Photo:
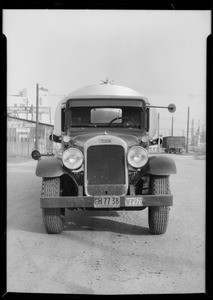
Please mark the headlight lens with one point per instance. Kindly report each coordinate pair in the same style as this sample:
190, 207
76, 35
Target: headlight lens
72, 158
137, 157
145, 138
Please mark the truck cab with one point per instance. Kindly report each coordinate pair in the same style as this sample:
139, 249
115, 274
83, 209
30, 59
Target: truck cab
103, 163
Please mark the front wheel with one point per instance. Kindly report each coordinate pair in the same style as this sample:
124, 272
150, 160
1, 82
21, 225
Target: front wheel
159, 215
53, 217
53, 220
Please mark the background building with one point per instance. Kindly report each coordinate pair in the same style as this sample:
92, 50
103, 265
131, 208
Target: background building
23, 106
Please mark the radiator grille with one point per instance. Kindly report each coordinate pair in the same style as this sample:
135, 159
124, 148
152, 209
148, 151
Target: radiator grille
105, 165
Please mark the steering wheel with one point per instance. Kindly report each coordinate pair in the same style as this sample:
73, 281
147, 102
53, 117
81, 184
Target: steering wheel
124, 118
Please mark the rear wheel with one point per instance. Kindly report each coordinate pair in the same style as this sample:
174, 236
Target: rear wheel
53, 217
159, 215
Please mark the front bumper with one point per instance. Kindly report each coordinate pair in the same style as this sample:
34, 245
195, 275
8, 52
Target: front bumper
129, 202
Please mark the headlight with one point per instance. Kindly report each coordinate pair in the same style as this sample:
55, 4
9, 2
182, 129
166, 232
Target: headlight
72, 158
145, 138
137, 157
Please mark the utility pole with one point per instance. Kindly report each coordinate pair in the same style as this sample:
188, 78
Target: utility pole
50, 115
192, 133
36, 133
198, 134
158, 124
203, 135
27, 107
187, 133
172, 126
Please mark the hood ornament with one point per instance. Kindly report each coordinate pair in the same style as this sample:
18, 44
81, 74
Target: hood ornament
105, 133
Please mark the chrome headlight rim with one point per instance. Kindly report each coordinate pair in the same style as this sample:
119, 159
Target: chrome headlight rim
72, 158
137, 157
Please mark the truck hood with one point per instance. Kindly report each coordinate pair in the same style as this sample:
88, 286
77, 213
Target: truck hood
130, 140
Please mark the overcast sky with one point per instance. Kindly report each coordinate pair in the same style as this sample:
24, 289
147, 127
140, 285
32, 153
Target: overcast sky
161, 54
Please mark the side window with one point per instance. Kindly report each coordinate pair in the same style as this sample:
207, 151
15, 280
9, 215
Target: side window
147, 119
63, 119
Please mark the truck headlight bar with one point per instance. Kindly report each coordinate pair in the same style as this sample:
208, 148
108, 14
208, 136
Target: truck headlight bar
72, 158
137, 157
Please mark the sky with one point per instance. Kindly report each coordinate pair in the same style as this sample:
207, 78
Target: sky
161, 54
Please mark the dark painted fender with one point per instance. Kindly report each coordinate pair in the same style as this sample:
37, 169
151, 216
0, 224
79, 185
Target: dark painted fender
50, 167
161, 165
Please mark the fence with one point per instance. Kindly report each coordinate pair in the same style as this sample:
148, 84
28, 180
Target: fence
20, 148
21, 137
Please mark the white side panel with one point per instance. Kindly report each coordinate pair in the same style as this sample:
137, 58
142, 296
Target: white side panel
153, 123
57, 118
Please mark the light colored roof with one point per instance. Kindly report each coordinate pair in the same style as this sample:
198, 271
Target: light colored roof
104, 91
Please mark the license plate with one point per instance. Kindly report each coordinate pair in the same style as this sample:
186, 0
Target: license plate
130, 201
106, 201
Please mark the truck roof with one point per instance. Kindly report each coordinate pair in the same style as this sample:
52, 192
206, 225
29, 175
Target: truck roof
105, 91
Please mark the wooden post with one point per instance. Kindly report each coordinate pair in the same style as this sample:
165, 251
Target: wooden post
187, 133
37, 98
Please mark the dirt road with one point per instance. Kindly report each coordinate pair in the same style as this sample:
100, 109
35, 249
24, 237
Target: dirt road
106, 252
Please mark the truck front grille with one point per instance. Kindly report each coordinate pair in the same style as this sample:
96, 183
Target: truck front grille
105, 165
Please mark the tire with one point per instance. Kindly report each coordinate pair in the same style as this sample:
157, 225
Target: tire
158, 216
53, 218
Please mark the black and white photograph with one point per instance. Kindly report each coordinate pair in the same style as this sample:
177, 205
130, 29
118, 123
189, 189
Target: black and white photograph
106, 151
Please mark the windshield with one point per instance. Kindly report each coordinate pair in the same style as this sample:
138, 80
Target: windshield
106, 116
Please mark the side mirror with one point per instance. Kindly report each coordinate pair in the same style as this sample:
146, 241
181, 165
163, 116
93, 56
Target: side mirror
171, 108
35, 154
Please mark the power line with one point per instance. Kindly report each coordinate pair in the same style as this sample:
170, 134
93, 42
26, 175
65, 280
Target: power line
28, 77
20, 72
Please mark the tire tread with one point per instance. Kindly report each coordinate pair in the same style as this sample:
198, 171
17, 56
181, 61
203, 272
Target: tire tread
159, 215
52, 217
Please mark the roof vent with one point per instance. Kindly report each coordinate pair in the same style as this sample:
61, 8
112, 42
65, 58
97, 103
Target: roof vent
107, 81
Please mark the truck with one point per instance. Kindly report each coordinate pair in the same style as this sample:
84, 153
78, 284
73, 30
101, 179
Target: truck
102, 162
174, 144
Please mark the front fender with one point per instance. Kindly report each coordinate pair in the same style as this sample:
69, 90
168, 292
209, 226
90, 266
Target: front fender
161, 165
49, 167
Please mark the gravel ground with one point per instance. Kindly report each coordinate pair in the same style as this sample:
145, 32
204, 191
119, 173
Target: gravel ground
106, 252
